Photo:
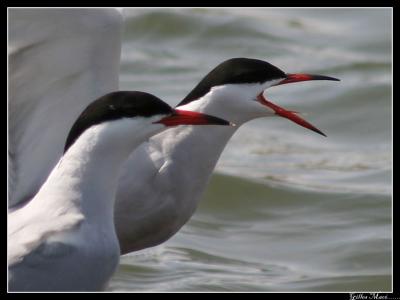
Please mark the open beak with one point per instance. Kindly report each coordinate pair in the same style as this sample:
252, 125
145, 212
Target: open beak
292, 115
184, 117
290, 78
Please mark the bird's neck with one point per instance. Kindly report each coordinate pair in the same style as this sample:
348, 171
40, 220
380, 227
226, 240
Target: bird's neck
194, 151
202, 145
85, 179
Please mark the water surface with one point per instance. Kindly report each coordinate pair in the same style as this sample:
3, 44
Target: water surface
287, 210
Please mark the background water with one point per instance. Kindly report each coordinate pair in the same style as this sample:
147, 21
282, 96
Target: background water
287, 210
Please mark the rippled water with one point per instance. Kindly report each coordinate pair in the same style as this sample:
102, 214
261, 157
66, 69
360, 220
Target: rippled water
287, 210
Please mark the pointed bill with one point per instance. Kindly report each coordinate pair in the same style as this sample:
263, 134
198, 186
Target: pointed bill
184, 117
291, 78
291, 115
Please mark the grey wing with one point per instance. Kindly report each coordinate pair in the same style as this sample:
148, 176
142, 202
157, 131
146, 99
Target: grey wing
60, 60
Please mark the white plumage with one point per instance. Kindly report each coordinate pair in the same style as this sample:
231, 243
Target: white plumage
58, 64
167, 176
64, 238
60, 60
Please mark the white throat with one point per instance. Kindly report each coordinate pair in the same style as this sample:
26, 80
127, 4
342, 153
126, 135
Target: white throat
233, 102
85, 179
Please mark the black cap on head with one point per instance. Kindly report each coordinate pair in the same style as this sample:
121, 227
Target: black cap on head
116, 105
235, 70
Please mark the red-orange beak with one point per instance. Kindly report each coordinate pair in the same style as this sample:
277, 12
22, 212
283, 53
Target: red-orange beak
183, 117
290, 78
291, 115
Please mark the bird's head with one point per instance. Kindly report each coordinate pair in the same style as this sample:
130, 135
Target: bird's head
134, 113
235, 90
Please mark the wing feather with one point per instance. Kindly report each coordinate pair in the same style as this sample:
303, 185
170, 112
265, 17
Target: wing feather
60, 60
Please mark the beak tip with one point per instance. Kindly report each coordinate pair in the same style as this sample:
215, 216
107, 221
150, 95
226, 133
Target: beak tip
291, 78
322, 77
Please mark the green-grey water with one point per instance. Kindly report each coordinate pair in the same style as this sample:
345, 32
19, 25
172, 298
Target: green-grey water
286, 210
